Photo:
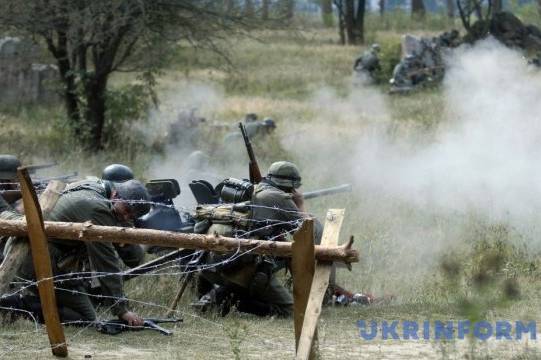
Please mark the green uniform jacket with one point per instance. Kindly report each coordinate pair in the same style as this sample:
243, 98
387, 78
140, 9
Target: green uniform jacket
87, 201
274, 212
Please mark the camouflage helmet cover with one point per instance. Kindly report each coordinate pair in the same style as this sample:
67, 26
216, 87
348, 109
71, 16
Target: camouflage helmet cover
285, 174
117, 173
8, 167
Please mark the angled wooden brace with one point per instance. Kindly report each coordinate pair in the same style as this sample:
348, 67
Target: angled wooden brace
42, 265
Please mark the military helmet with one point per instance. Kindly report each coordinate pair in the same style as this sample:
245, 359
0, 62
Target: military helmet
268, 122
8, 167
284, 174
376, 47
117, 173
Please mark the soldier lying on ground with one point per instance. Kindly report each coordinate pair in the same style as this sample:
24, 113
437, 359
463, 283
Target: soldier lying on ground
249, 282
102, 203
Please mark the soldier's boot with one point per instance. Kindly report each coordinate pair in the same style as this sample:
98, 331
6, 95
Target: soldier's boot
18, 306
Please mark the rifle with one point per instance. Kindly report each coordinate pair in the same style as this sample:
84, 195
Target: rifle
255, 173
328, 191
115, 327
12, 195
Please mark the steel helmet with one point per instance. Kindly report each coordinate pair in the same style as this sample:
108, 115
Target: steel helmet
284, 174
8, 167
270, 123
117, 173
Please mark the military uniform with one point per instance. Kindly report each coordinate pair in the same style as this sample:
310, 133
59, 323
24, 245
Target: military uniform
83, 201
273, 215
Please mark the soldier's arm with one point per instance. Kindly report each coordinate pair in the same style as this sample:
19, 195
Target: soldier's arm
294, 212
104, 259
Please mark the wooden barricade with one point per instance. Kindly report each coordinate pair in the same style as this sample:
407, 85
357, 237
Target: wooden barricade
311, 264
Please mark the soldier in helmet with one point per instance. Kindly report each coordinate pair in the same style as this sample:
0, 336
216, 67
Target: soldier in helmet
8, 181
277, 209
102, 203
368, 62
117, 173
253, 128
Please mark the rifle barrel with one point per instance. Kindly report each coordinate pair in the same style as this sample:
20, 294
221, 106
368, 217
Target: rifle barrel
328, 191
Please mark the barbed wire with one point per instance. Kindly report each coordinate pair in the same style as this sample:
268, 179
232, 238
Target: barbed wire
116, 300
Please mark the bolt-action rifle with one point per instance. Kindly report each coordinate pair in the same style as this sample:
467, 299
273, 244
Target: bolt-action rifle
11, 195
255, 173
114, 327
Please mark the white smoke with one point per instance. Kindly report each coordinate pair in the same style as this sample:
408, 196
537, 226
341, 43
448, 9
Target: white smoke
485, 156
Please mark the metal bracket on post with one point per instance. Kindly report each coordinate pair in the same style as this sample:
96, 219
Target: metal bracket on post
42, 264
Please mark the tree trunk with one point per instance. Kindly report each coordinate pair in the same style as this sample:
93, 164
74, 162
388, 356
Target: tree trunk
265, 4
382, 7
326, 12
229, 6
249, 10
451, 8
95, 112
418, 8
94, 233
497, 6
349, 21
290, 9
539, 7
359, 21
342, 29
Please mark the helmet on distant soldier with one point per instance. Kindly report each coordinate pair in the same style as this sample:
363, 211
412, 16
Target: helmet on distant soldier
117, 173
375, 47
8, 167
269, 123
285, 175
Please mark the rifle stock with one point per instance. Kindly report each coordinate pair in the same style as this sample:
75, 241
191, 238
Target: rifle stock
255, 173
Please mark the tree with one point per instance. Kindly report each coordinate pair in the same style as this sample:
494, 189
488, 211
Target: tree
351, 20
382, 7
91, 39
451, 8
326, 12
480, 10
249, 10
418, 8
265, 5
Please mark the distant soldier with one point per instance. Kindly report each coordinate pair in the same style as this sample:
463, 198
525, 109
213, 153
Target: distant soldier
368, 62
185, 130
102, 203
253, 129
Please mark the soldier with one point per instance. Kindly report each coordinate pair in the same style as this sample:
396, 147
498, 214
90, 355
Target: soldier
277, 208
253, 129
102, 203
8, 181
368, 62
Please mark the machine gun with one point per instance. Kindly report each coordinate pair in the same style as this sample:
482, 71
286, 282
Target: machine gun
115, 327
329, 191
255, 173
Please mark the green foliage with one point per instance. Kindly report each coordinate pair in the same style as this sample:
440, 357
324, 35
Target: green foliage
236, 333
389, 57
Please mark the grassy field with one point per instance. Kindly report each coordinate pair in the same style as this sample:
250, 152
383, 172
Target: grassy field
436, 265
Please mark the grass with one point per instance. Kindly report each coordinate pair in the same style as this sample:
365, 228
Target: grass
303, 80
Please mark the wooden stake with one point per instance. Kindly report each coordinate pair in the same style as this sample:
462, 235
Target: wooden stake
42, 265
19, 247
307, 346
302, 268
185, 281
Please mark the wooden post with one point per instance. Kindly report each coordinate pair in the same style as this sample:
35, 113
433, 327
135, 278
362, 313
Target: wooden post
302, 268
19, 249
42, 265
307, 344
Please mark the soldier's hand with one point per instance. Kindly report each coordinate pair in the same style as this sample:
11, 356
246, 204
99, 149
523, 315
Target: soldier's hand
132, 319
298, 199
